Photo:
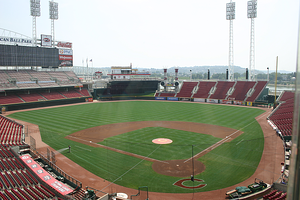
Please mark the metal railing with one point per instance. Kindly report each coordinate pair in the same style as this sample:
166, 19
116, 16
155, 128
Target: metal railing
60, 171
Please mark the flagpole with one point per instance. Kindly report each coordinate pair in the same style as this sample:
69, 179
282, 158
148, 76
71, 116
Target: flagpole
82, 69
87, 68
92, 67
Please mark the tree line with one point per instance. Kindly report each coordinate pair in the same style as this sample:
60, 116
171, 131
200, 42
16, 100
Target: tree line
282, 78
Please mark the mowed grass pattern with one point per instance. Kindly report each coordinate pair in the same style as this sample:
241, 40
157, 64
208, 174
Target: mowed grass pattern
226, 165
140, 142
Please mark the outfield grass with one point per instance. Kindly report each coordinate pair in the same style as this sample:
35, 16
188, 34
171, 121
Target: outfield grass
226, 165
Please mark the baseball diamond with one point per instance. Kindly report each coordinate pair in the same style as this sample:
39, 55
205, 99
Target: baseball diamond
115, 153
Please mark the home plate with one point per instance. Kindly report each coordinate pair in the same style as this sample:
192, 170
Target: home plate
162, 141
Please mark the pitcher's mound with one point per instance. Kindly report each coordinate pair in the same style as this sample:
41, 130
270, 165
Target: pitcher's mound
162, 141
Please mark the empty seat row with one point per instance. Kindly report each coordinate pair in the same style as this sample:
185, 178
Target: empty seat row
11, 132
282, 116
38, 96
231, 90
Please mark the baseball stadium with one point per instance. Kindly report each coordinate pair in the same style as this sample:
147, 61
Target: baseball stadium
124, 135
201, 140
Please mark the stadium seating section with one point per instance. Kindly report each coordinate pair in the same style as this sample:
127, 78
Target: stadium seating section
204, 88
282, 116
276, 195
38, 95
16, 180
11, 132
187, 89
31, 86
223, 90
21, 79
166, 94
241, 89
260, 85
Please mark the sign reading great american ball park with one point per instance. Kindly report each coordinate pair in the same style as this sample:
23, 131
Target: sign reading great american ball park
13, 40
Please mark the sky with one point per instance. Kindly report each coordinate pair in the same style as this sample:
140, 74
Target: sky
164, 33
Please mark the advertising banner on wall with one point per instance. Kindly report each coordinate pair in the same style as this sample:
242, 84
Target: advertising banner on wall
226, 101
65, 57
46, 40
172, 98
248, 103
64, 45
45, 176
65, 52
199, 100
212, 101
160, 98
237, 102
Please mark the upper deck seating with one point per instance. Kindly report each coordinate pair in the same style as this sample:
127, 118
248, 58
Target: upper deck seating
23, 78
204, 89
257, 90
64, 78
222, 89
186, 89
240, 90
44, 79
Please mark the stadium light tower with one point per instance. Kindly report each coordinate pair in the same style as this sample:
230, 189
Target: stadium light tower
53, 15
230, 15
252, 14
35, 11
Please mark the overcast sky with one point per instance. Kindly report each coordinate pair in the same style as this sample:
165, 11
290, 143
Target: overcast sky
164, 33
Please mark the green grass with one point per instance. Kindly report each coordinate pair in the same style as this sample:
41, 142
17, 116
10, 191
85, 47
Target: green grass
140, 142
226, 165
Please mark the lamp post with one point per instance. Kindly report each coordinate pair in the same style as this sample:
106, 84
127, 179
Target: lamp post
252, 14
35, 11
230, 15
53, 15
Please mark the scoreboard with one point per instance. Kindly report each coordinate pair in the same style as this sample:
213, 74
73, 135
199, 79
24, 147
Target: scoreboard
15, 55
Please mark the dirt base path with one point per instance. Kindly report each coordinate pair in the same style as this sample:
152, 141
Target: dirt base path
268, 169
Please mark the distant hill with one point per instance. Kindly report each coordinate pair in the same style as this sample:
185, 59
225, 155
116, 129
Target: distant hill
201, 69
186, 70
213, 70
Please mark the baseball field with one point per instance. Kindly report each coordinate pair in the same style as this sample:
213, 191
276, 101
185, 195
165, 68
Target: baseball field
221, 145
